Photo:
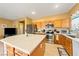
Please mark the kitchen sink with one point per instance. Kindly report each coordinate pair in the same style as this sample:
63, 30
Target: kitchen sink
73, 36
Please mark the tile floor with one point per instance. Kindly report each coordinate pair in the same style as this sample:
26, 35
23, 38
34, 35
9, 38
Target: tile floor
51, 49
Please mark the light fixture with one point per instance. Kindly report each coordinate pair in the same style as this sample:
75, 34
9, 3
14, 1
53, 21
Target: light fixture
33, 12
56, 6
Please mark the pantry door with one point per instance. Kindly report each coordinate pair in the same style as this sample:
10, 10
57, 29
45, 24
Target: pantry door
21, 27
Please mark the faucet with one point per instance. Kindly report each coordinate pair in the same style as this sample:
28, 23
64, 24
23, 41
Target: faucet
26, 33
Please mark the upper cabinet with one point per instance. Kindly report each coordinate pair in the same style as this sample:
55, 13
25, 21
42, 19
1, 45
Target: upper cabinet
66, 23
40, 24
62, 23
57, 23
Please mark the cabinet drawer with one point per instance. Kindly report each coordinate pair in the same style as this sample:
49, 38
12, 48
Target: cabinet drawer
10, 54
10, 51
17, 54
9, 48
20, 53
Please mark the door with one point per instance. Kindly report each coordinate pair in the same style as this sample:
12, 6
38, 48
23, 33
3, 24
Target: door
21, 27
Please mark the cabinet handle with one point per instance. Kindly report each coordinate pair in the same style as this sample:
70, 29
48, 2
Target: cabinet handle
57, 37
41, 45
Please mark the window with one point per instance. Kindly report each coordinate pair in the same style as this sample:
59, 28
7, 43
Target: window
75, 21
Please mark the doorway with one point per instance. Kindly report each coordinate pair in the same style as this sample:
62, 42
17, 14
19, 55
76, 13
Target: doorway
21, 27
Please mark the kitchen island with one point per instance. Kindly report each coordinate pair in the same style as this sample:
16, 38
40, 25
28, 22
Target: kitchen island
23, 45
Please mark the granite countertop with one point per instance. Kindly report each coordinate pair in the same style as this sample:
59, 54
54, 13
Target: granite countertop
27, 44
75, 39
67, 35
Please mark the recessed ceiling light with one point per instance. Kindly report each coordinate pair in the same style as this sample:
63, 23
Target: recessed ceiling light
33, 12
56, 6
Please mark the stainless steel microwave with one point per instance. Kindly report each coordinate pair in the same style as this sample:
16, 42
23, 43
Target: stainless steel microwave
64, 31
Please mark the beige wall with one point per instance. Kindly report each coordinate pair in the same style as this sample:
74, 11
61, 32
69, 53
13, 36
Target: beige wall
7, 22
74, 9
27, 20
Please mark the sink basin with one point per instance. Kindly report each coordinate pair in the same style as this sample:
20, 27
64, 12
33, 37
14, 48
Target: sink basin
73, 36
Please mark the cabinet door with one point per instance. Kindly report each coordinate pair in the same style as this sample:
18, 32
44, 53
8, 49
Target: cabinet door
20, 53
56, 38
66, 23
39, 24
57, 23
60, 40
39, 50
10, 50
68, 46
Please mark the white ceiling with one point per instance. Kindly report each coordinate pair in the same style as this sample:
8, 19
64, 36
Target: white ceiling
19, 10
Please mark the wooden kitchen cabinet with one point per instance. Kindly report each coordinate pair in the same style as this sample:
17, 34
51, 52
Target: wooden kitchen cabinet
68, 46
10, 50
57, 23
40, 24
20, 53
65, 42
56, 39
14, 52
66, 23
60, 40
39, 50
62, 23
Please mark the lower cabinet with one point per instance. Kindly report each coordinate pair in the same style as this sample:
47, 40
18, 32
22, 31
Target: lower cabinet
20, 53
65, 42
68, 46
39, 50
10, 50
59, 39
